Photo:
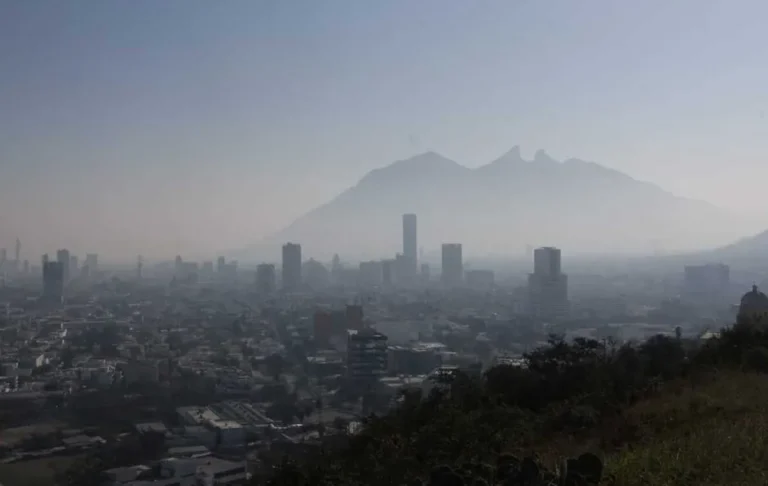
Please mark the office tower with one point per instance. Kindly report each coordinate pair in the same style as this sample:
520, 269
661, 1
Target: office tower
53, 280
547, 285
410, 244
366, 355
62, 256
291, 266
706, 284
370, 274
453, 265
18, 251
221, 264
3, 256
546, 261
265, 278
92, 261
44, 259
26, 267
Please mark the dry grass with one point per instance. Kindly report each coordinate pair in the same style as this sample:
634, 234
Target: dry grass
713, 435
15, 435
39, 472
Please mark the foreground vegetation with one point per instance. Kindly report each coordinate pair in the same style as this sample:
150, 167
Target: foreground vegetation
664, 412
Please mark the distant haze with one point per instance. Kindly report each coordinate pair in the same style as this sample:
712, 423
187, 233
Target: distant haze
195, 127
500, 208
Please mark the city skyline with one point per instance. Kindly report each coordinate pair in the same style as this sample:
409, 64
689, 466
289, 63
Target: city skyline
110, 106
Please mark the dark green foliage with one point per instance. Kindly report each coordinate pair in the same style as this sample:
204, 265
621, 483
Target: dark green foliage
568, 387
590, 467
756, 359
445, 476
586, 470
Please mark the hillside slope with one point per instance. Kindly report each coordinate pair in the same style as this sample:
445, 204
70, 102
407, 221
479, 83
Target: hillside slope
664, 412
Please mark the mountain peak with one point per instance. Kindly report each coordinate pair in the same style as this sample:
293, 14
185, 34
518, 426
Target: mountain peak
426, 161
427, 164
512, 156
542, 157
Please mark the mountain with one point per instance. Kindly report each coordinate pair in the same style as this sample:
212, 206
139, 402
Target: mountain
753, 248
503, 206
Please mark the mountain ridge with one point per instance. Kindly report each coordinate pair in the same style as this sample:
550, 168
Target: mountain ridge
571, 203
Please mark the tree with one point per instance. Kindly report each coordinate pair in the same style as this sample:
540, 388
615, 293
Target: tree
275, 364
283, 411
756, 359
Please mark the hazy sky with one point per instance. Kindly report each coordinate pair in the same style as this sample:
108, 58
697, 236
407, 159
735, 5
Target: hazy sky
159, 127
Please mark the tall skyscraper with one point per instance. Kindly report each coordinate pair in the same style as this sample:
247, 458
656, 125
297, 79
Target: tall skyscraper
547, 285
62, 256
18, 250
291, 266
410, 244
546, 261
453, 264
53, 280
265, 278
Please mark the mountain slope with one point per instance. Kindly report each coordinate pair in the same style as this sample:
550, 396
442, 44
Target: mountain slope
751, 248
505, 205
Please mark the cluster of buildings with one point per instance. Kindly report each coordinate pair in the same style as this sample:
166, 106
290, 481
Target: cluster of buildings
271, 360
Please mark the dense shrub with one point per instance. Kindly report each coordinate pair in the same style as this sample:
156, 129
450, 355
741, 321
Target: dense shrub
567, 388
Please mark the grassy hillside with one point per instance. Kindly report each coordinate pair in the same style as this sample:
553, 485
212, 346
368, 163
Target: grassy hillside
661, 413
716, 434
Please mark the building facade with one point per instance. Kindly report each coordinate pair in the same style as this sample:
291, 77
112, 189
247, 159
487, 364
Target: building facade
547, 285
291, 268
266, 279
366, 354
410, 245
53, 280
453, 264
